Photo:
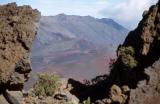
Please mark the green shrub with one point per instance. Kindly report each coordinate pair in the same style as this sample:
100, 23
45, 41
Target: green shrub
88, 101
126, 55
126, 50
129, 61
46, 85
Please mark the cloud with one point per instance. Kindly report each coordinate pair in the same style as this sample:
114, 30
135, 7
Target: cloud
128, 12
71, 7
125, 12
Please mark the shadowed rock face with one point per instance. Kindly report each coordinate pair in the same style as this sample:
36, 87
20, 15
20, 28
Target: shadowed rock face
145, 39
18, 26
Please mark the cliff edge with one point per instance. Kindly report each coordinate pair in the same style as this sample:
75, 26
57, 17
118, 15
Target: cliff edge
137, 68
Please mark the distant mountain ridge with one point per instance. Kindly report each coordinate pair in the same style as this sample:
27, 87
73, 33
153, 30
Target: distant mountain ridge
99, 31
67, 40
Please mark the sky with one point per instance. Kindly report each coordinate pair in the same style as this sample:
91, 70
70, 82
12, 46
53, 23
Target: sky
126, 12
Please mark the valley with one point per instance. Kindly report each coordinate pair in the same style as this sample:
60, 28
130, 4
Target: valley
77, 47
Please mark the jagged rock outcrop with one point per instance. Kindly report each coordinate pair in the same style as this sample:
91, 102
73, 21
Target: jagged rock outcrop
18, 26
137, 65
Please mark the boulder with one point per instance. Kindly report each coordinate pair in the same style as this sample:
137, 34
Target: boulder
14, 97
116, 95
66, 97
3, 100
18, 27
125, 89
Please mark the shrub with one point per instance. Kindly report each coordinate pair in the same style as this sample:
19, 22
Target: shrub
126, 55
46, 85
129, 61
126, 50
88, 101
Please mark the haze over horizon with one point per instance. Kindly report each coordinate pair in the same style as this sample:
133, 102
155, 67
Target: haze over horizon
122, 11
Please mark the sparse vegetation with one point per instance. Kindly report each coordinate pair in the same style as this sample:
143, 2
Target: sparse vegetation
88, 101
126, 55
47, 84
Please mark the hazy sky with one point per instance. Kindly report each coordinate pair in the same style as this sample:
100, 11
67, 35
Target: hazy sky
125, 12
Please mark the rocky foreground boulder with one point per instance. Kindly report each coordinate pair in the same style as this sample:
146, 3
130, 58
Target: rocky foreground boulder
18, 27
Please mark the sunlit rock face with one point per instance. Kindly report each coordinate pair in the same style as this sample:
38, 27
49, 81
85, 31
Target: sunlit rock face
18, 26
